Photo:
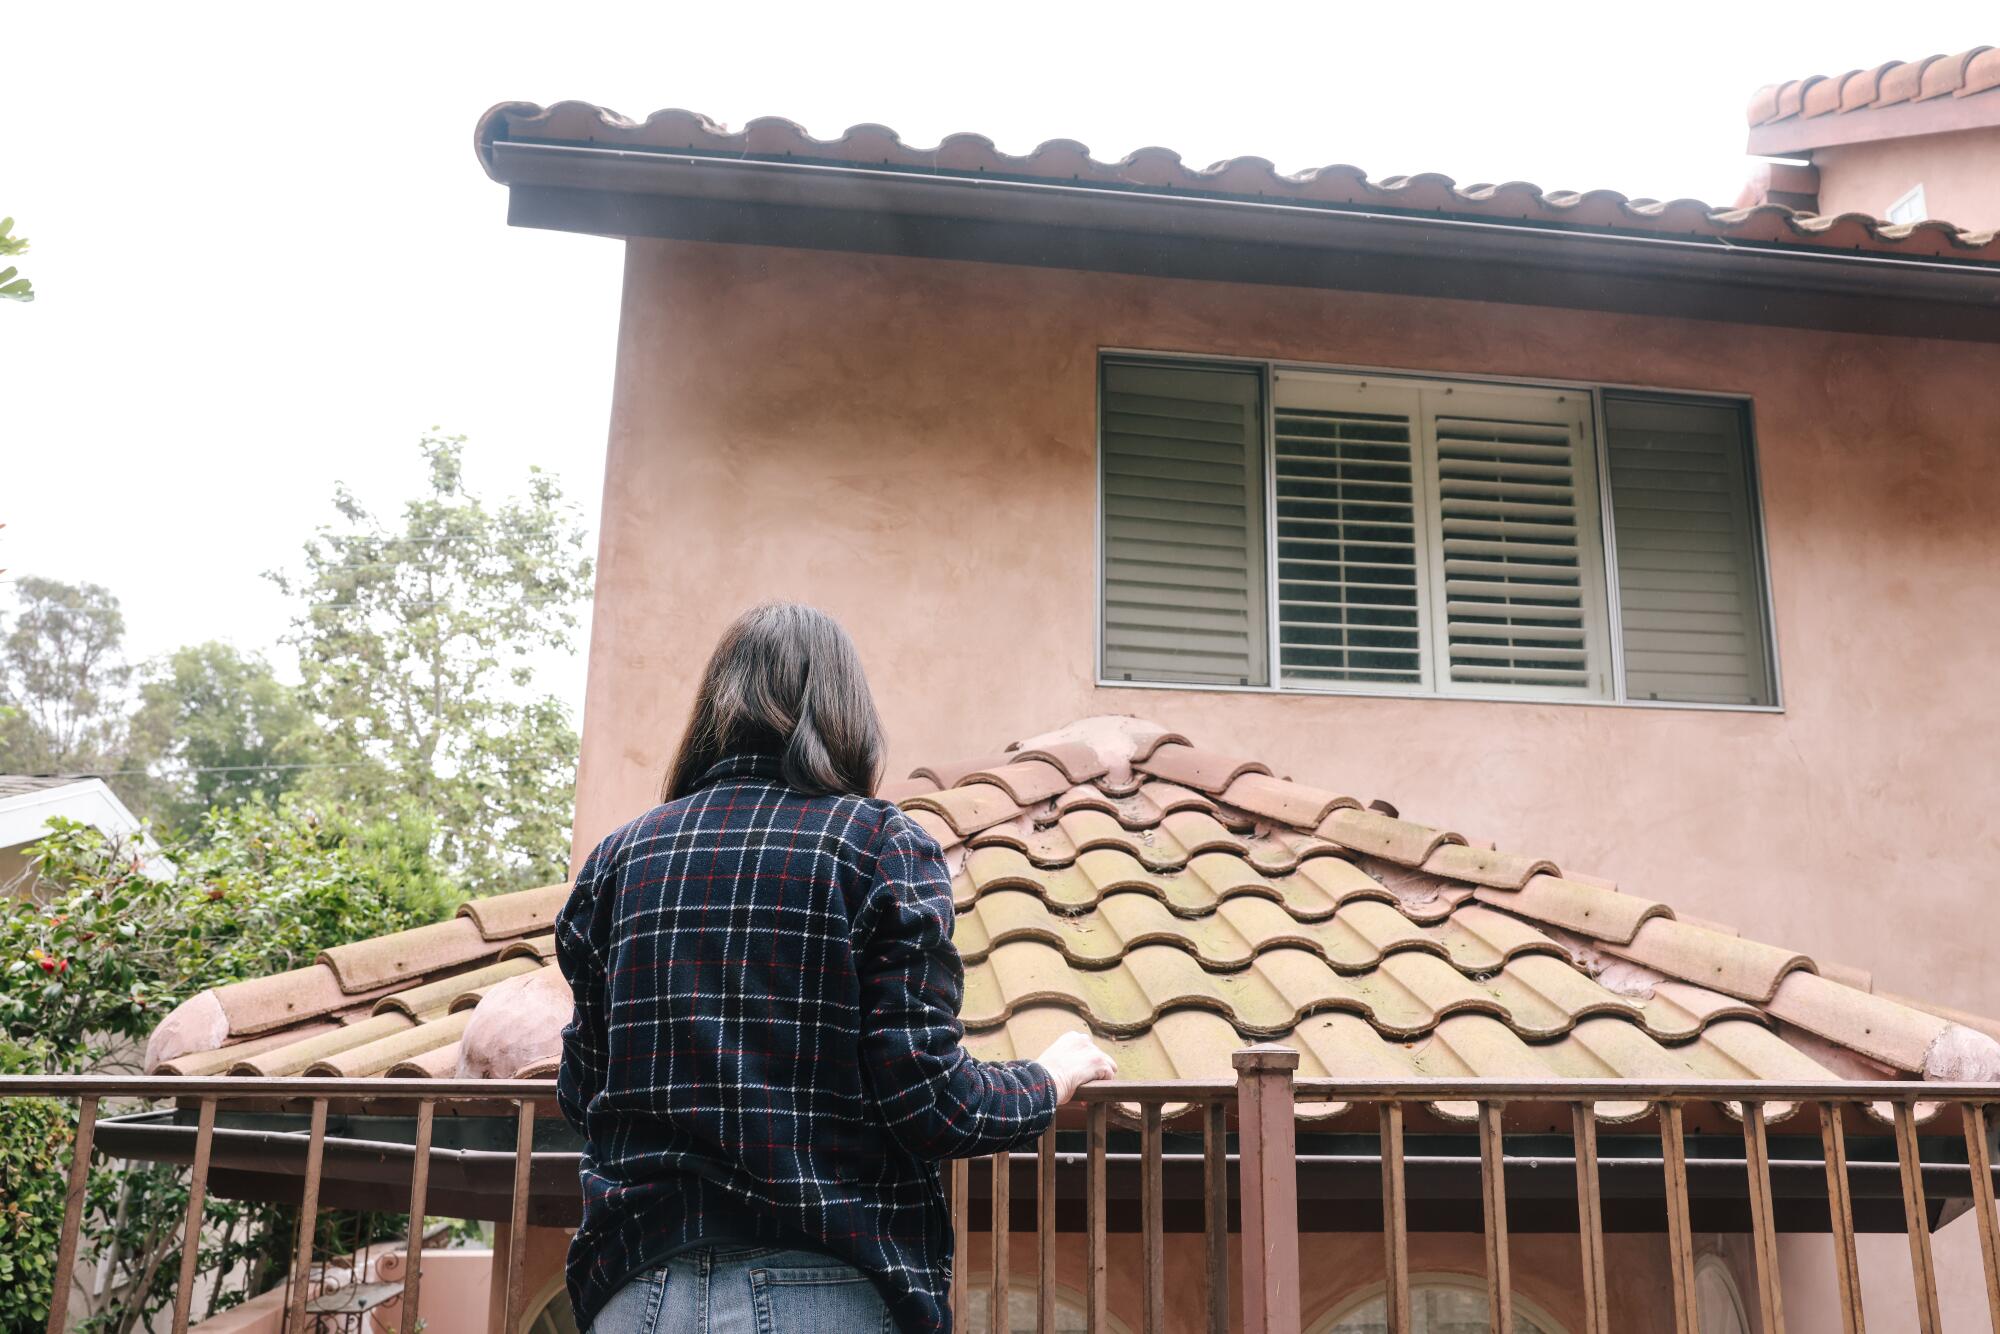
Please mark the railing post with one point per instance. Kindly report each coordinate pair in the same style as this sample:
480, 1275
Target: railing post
79, 1183
1267, 1150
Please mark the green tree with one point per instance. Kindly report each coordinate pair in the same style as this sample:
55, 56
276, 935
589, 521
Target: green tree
215, 727
13, 288
416, 643
62, 678
92, 962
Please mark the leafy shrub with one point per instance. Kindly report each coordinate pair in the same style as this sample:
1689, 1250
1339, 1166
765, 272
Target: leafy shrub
112, 937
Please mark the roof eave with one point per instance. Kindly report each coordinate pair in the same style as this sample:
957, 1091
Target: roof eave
1873, 124
626, 192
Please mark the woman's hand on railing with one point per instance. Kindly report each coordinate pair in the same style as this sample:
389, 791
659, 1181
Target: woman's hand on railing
1073, 1060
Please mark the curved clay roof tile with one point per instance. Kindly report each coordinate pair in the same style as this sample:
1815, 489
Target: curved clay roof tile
1946, 74
1862, 87
1903, 83
1981, 72
1823, 97
1764, 104
1793, 95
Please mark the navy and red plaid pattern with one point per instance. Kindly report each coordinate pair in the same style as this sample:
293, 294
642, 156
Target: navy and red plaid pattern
766, 1040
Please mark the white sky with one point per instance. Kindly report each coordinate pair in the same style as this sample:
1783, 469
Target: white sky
267, 259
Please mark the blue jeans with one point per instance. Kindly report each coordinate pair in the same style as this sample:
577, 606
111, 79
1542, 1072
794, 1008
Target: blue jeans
746, 1290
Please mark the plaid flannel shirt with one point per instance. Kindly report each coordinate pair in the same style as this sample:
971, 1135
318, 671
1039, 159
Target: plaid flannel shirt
765, 1047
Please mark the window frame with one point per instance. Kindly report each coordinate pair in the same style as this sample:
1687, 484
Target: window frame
1913, 195
1607, 545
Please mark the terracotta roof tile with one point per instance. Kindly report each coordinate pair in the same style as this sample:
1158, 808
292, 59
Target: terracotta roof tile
1283, 800
374, 1058
1961, 74
1729, 964
436, 997
953, 773
1078, 762
368, 965
505, 916
898, 789
264, 1003
437, 1063
936, 826
1095, 897
1601, 914
1026, 781
1334, 187
1982, 72
1384, 836
294, 1057
967, 809
1485, 866
1204, 770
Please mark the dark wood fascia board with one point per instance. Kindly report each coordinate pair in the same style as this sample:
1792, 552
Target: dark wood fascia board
735, 201
1900, 120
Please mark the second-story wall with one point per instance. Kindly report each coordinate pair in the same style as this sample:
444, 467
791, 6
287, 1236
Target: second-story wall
1959, 172
912, 445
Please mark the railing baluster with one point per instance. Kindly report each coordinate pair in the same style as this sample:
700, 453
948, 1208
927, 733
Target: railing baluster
1493, 1180
1045, 1235
420, 1181
308, 1218
996, 1296
961, 1238
1979, 1155
514, 1295
1215, 1211
1153, 1238
1395, 1223
1267, 1162
1916, 1219
1097, 1300
1590, 1220
1840, 1217
1680, 1233
204, 1145
79, 1182
1763, 1224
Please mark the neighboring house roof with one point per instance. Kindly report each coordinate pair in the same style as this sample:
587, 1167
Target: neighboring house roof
29, 801
1894, 100
1184, 902
1064, 162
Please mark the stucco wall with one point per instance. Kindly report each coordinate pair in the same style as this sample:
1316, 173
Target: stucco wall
1960, 174
911, 444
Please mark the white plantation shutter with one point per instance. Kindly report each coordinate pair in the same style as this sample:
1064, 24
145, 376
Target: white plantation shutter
1183, 498
1518, 566
1690, 585
1350, 547
1427, 536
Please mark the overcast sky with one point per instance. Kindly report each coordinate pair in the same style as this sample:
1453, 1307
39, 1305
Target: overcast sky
268, 260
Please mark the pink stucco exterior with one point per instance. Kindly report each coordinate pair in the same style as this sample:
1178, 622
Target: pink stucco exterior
912, 445
1961, 177
1960, 173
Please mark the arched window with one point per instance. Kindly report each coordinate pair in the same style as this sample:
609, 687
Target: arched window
552, 1313
1071, 1317
1716, 1298
1439, 1304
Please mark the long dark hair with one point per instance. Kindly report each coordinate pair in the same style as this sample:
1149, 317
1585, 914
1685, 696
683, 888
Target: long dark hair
784, 681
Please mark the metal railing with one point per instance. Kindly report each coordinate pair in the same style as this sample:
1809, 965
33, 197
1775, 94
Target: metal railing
1264, 1097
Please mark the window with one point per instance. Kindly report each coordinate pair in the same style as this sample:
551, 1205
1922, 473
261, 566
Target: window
1439, 1304
1717, 1302
1911, 207
1298, 529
